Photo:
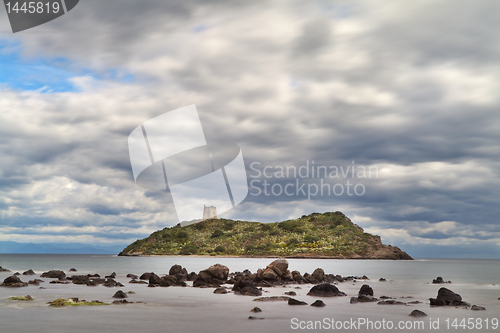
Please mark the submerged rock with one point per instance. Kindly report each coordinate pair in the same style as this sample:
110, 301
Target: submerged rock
120, 294
318, 303
325, 290
256, 309
418, 313
293, 301
54, 275
447, 297
29, 272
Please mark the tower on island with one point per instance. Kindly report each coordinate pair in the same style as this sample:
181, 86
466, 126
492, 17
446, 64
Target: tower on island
209, 212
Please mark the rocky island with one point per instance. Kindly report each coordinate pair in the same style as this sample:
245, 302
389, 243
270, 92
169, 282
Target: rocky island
326, 235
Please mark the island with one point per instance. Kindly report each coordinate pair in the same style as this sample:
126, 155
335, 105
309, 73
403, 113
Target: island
318, 235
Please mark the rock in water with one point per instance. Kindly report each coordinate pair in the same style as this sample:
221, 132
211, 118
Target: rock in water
318, 303
447, 297
220, 290
365, 290
256, 309
29, 272
255, 318
120, 294
54, 275
325, 290
477, 308
293, 301
418, 313
4, 269
279, 266
13, 281
319, 274
291, 293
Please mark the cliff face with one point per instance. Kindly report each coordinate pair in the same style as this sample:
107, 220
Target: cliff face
328, 235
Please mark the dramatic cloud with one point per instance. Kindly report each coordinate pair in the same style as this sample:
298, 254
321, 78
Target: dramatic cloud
407, 89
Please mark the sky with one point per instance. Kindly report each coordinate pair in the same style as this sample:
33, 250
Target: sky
406, 89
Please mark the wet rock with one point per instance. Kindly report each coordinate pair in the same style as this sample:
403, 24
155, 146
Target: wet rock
111, 276
220, 290
325, 290
255, 318
386, 297
365, 290
318, 303
269, 274
417, 313
54, 275
218, 271
440, 280
72, 269
112, 283
93, 275
29, 272
120, 294
447, 297
298, 277
132, 276
256, 309
291, 293
293, 301
382, 279
138, 282
279, 266
477, 308
246, 287
13, 281
4, 269
80, 279
59, 282
391, 302
414, 302
354, 300
272, 299
145, 276
366, 298
154, 279
192, 276
35, 282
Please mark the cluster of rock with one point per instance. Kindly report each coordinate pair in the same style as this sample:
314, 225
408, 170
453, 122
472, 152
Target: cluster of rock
439, 280
446, 297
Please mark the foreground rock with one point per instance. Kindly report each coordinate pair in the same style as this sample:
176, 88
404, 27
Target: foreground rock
447, 297
325, 290
13, 281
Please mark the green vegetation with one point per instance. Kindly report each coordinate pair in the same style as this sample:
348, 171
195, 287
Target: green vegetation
21, 298
60, 302
328, 234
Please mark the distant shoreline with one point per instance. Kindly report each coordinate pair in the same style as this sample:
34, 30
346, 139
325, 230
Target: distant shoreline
261, 257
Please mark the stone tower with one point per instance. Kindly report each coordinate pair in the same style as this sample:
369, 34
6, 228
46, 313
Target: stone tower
209, 212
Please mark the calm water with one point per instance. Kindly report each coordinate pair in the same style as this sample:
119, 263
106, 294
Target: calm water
189, 309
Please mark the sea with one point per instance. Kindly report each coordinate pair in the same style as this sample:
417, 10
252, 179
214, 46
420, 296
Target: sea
188, 309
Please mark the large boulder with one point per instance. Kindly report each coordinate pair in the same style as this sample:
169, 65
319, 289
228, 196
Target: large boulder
218, 271
279, 266
175, 269
325, 290
145, 276
80, 279
13, 281
120, 294
29, 272
54, 275
154, 279
447, 297
270, 275
296, 276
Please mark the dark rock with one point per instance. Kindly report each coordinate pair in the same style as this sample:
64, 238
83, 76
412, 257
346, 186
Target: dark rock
175, 269
250, 291
35, 282
293, 301
272, 299
153, 279
192, 276
93, 275
391, 302
418, 313
414, 302
146, 276
220, 290
80, 279
218, 271
318, 274
122, 301
4, 269
13, 281
120, 294
291, 293
256, 309
111, 276
29, 272
59, 282
298, 277
54, 275
386, 297
447, 297
138, 282
112, 283
310, 279
365, 290
354, 300
382, 279
440, 280
72, 269
17, 273
477, 308
325, 290
255, 318
318, 303
364, 277
270, 275
366, 298
172, 280
132, 276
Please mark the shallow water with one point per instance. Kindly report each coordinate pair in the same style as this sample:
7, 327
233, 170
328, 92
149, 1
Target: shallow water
177, 309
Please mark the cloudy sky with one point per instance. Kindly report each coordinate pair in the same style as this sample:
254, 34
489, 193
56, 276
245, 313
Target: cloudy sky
408, 88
